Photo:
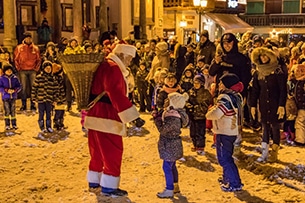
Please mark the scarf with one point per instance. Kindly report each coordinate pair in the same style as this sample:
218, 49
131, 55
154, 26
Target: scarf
266, 69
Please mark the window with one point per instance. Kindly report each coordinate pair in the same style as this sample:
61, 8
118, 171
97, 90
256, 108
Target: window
27, 14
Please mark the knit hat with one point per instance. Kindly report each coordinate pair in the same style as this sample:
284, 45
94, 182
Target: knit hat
200, 78
192, 45
27, 34
62, 39
45, 64
7, 66
201, 59
257, 38
177, 100
125, 49
230, 81
49, 44
205, 33
162, 46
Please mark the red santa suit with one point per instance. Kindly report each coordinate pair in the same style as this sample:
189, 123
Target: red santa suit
107, 118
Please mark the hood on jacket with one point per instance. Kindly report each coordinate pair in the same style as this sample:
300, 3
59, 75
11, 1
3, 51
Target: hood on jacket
257, 52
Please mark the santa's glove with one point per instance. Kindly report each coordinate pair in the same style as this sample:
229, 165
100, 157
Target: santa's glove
253, 112
281, 112
139, 122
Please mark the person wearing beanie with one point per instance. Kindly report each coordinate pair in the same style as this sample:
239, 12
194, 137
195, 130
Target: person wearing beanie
45, 93
190, 54
50, 54
269, 92
200, 64
10, 86
44, 32
205, 47
62, 44
107, 118
197, 106
226, 115
59, 108
170, 85
27, 60
142, 86
186, 81
73, 47
169, 124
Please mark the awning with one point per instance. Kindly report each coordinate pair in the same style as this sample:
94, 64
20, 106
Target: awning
230, 22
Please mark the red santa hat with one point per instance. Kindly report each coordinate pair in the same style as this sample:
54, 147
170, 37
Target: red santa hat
125, 49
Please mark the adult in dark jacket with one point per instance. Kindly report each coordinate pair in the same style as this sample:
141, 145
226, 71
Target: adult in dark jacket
205, 47
231, 61
269, 88
179, 61
190, 54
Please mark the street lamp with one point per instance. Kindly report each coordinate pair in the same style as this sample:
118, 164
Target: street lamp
200, 6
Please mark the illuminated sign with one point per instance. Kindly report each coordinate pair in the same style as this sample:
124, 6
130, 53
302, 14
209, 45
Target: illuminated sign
232, 3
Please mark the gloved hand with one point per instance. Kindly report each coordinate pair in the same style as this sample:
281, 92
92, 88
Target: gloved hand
139, 122
281, 112
253, 112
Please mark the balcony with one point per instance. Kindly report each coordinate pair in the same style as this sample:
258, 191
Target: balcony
275, 20
177, 3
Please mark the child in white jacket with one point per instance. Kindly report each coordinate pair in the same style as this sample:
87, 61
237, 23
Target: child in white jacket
226, 116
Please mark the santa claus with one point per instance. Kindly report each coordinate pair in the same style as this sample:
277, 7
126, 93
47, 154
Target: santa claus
107, 118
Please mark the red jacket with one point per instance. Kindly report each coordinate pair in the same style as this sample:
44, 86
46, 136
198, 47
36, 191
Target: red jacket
27, 57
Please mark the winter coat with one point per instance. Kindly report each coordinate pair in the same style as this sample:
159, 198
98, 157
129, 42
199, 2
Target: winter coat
300, 94
198, 103
27, 57
44, 88
61, 99
226, 114
179, 62
186, 83
162, 60
141, 83
233, 62
44, 32
9, 82
271, 91
189, 58
207, 50
170, 143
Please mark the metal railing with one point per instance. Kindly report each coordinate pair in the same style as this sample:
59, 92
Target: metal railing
275, 20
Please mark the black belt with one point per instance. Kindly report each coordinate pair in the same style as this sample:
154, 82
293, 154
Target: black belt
104, 98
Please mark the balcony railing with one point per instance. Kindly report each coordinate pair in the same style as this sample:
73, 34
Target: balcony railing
177, 3
275, 20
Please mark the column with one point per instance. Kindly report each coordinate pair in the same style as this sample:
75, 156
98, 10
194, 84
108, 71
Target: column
9, 40
143, 34
103, 23
57, 21
77, 21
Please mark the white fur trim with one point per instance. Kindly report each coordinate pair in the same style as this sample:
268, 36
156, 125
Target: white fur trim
110, 181
105, 125
129, 114
94, 177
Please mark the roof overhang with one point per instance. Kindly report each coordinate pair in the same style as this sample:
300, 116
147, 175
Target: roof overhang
230, 22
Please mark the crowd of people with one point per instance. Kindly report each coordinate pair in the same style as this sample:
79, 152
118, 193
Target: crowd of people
212, 87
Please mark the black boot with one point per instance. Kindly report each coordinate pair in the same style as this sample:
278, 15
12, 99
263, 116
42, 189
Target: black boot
61, 124
23, 107
14, 124
48, 126
41, 125
7, 124
56, 124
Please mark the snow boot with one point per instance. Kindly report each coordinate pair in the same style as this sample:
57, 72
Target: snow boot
265, 151
274, 153
56, 124
14, 123
7, 123
176, 188
166, 194
41, 125
48, 126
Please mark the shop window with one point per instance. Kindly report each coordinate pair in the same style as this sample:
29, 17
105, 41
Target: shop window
291, 6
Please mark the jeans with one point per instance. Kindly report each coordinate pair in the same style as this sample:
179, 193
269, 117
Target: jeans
271, 130
27, 78
224, 149
171, 174
44, 108
9, 106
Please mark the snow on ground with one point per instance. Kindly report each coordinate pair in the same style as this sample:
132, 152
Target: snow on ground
32, 170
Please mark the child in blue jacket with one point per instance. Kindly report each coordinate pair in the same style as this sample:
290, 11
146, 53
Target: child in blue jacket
9, 88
